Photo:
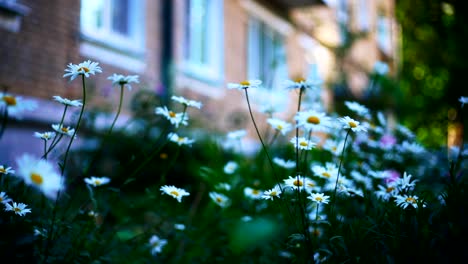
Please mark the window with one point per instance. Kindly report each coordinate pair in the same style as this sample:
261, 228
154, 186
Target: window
383, 34
266, 54
203, 50
343, 19
118, 24
363, 14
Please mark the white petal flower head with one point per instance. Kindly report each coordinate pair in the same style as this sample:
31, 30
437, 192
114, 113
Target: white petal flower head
220, 199
280, 125
4, 199
319, 198
349, 123
406, 183
287, 164
302, 143
252, 193
186, 102
310, 185
67, 102
96, 181
463, 100
180, 140
45, 136
357, 108
335, 147
40, 174
175, 118
237, 134
16, 105
271, 194
230, 167
68, 131
180, 227
18, 208
301, 83
295, 182
175, 192
156, 244
121, 80
313, 120
85, 68
6, 170
385, 193
245, 84
407, 200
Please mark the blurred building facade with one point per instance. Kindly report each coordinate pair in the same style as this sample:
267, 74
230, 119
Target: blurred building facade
185, 47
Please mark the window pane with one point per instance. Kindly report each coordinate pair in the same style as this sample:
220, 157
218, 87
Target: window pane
92, 13
120, 16
198, 31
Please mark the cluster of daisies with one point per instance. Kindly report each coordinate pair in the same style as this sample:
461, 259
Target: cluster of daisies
20, 209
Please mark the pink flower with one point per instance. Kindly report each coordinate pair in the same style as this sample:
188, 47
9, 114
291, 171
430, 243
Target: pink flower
393, 176
387, 141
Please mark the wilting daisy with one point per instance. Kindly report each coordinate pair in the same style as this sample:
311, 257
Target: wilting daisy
96, 181
220, 199
4, 198
313, 120
405, 200
16, 105
156, 244
119, 79
180, 140
68, 102
302, 143
245, 84
186, 102
287, 164
18, 208
301, 83
175, 118
45, 136
6, 170
68, 131
463, 100
252, 193
349, 123
319, 198
272, 193
175, 192
279, 125
358, 109
230, 167
40, 174
85, 68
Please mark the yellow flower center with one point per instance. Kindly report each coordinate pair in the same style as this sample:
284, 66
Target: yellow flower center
9, 100
219, 199
273, 193
97, 182
410, 200
313, 120
2, 170
279, 127
172, 114
1, 199
318, 199
299, 79
334, 148
352, 124
316, 233
36, 178
245, 83
85, 69
163, 156
17, 209
311, 184
297, 183
326, 175
64, 129
174, 193
256, 192
390, 189
303, 143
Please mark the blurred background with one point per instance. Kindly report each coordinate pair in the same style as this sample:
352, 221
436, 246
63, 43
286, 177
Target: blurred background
403, 58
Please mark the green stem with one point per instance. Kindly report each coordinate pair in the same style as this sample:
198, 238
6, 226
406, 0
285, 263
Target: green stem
4, 121
163, 176
118, 110
339, 170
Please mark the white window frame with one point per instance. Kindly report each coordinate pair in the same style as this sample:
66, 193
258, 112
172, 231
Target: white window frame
211, 70
105, 35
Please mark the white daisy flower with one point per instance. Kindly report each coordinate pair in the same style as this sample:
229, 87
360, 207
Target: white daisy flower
45, 136
67, 102
220, 199
245, 84
387, 192
413, 148
6, 170
405, 131
40, 174
280, 125
223, 186
349, 123
287, 164
186, 102
230, 167
302, 143
333, 146
4, 199
237, 134
175, 118
301, 83
252, 193
310, 185
16, 105
319, 198
406, 183
18, 208
330, 171
272, 193
175, 192
463, 100
313, 120
406, 200
180, 140
156, 244
85, 68
119, 79
296, 182
68, 131
96, 181
179, 226
357, 108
